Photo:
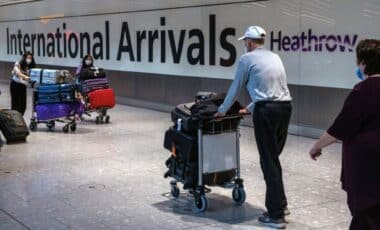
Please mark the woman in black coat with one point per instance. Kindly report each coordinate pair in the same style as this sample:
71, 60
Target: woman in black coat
19, 81
87, 62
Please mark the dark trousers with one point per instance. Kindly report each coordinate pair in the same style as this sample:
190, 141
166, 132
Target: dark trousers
271, 121
367, 220
18, 97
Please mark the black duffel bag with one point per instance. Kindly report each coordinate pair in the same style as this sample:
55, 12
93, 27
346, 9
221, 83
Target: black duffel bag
207, 104
202, 110
91, 73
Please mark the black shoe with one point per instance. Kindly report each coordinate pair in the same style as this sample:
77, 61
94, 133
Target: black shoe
273, 223
286, 212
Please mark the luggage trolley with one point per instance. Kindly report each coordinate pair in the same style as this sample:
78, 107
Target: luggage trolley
102, 115
95, 84
218, 151
69, 120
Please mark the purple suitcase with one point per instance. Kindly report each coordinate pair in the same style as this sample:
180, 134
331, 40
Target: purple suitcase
58, 110
94, 84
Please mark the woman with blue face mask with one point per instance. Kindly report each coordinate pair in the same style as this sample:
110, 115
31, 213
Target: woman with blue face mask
358, 127
359, 73
19, 81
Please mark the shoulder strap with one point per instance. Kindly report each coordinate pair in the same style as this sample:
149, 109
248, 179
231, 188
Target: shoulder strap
41, 74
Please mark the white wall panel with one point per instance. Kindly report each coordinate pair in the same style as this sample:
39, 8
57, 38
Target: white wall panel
331, 64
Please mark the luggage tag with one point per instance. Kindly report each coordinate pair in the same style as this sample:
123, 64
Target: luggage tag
179, 124
174, 150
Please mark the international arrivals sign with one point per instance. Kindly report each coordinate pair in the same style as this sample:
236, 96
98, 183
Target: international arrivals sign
194, 42
63, 44
72, 44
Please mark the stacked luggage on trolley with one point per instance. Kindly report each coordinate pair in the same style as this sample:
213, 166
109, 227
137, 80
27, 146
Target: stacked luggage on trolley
99, 97
54, 99
205, 151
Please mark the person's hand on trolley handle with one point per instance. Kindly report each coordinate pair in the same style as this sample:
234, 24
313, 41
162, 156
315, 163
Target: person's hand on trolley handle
244, 111
218, 115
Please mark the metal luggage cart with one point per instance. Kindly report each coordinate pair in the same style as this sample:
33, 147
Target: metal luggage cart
69, 121
102, 115
218, 151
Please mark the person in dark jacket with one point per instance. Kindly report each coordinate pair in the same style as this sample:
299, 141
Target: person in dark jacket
358, 127
87, 62
19, 81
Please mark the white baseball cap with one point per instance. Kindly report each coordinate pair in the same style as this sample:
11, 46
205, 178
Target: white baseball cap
254, 32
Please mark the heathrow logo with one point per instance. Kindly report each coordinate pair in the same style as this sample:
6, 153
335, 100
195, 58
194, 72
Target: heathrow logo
310, 42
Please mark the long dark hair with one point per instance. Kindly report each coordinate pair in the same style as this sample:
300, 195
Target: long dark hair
84, 66
23, 65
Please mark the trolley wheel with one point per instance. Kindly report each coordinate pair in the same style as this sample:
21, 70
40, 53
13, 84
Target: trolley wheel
201, 202
238, 194
50, 125
73, 127
104, 112
97, 120
33, 126
108, 119
65, 129
174, 191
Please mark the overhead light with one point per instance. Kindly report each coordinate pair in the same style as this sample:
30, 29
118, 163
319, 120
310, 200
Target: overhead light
45, 19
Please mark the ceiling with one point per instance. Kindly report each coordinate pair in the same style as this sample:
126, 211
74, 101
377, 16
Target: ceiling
11, 10
41, 8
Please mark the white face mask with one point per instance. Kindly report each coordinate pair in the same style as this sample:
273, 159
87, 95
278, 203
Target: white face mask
28, 61
88, 62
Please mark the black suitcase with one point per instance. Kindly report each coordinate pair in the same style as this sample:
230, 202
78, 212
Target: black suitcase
185, 146
187, 173
92, 73
13, 126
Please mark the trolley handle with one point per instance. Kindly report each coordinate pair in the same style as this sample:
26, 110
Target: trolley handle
32, 83
228, 117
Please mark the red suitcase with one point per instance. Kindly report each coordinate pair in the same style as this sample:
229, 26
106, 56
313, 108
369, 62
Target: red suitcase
102, 98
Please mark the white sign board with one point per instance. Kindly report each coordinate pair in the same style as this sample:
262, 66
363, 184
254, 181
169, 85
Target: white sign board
317, 49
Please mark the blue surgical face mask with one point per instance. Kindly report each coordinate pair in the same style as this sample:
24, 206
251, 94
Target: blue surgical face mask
359, 73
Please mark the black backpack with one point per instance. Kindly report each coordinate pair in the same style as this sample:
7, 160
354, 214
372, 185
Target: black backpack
91, 73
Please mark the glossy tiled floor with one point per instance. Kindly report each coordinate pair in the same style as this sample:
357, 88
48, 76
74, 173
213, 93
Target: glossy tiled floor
111, 177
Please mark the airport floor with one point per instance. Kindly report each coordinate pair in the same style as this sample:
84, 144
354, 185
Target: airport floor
110, 176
